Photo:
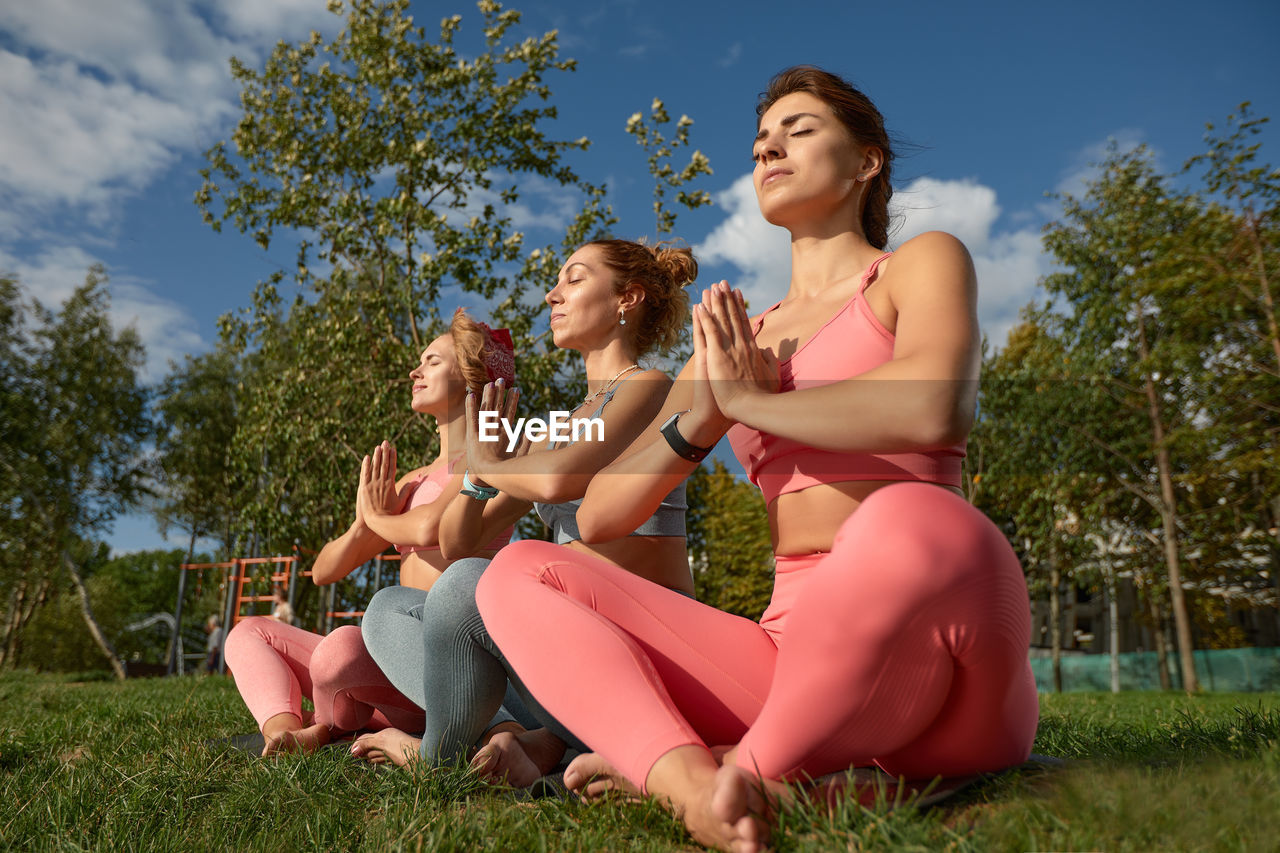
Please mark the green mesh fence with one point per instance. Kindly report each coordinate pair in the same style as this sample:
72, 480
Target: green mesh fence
1227, 670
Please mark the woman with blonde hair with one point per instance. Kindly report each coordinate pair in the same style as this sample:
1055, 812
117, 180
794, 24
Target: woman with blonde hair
276, 664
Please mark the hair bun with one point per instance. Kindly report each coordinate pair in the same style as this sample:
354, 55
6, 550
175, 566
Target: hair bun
676, 262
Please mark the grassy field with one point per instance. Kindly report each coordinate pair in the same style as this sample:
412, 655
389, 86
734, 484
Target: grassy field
97, 765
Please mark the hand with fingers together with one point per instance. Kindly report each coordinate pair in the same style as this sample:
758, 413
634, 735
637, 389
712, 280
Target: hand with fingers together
736, 368
481, 455
377, 494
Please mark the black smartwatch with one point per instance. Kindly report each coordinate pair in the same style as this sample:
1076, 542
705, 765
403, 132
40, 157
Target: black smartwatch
683, 449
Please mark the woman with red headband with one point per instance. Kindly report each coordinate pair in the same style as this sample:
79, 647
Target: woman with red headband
276, 664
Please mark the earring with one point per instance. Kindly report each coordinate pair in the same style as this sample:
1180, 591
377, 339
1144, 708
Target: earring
861, 178
622, 318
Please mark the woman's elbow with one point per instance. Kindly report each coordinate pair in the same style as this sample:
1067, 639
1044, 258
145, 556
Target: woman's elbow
560, 488
453, 550
591, 529
596, 525
944, 427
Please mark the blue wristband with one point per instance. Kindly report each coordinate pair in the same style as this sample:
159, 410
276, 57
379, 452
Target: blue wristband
471, 490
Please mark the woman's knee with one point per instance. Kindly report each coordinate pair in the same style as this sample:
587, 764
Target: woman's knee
338, 656
250, 631
519, 561
392, 601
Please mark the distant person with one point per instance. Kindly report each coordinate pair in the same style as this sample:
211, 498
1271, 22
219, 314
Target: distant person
281, 610
213, 645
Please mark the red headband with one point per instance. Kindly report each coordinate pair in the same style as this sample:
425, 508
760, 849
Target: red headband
499, 356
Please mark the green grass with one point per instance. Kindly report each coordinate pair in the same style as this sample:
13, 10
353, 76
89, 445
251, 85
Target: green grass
96, 765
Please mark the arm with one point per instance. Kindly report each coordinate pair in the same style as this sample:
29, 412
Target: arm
628, 491
340, 557
468, 525
616, 505
561, 474
921, 399
359, 544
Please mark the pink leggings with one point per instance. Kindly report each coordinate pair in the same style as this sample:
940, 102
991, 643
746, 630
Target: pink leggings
906, 647
275, 665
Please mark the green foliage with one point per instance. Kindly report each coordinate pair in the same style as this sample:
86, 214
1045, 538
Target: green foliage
71, 460
197, 421
124, 591
400, 159
650, 136
729, 542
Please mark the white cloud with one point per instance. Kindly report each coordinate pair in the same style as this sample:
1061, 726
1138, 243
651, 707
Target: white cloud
731, 56
760, 251
97, 101
1009, 263
101, 98
75, 141
1084, 169
165, 328
964, 208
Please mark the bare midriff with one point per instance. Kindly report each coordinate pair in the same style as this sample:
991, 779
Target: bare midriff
661, 559
806, 521
421, 569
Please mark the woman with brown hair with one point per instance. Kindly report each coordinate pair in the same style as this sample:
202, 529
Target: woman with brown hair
615, 301
898, 630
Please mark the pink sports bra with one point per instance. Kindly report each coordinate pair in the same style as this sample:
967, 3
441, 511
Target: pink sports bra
426, 489
851, 342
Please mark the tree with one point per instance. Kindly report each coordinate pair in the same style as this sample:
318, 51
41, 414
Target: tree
74, 461
196, 425
1137, 321
1028, 469
650, 136
401, 158
729, 545
25, 585
1245, 258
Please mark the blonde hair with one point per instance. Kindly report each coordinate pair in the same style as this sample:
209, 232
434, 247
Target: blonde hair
476, 350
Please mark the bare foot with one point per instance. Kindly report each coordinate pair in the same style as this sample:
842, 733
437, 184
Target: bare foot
303, 740
590, 776
387, 745
740, 801
723, 807
518, 759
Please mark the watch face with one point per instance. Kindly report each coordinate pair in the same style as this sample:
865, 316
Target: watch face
669, 421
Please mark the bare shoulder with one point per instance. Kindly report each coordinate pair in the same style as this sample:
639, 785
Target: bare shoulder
934, 248
645, 385
934, 262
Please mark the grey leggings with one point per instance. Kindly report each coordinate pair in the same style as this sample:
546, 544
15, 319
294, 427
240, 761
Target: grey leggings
434, 648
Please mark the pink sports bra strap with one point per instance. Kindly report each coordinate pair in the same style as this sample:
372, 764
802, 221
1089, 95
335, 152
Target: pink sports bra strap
871, 271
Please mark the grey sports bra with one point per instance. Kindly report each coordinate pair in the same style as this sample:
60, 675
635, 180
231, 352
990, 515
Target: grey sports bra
667, 519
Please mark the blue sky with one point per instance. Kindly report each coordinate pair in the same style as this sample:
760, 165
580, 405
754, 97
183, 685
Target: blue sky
106, 108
